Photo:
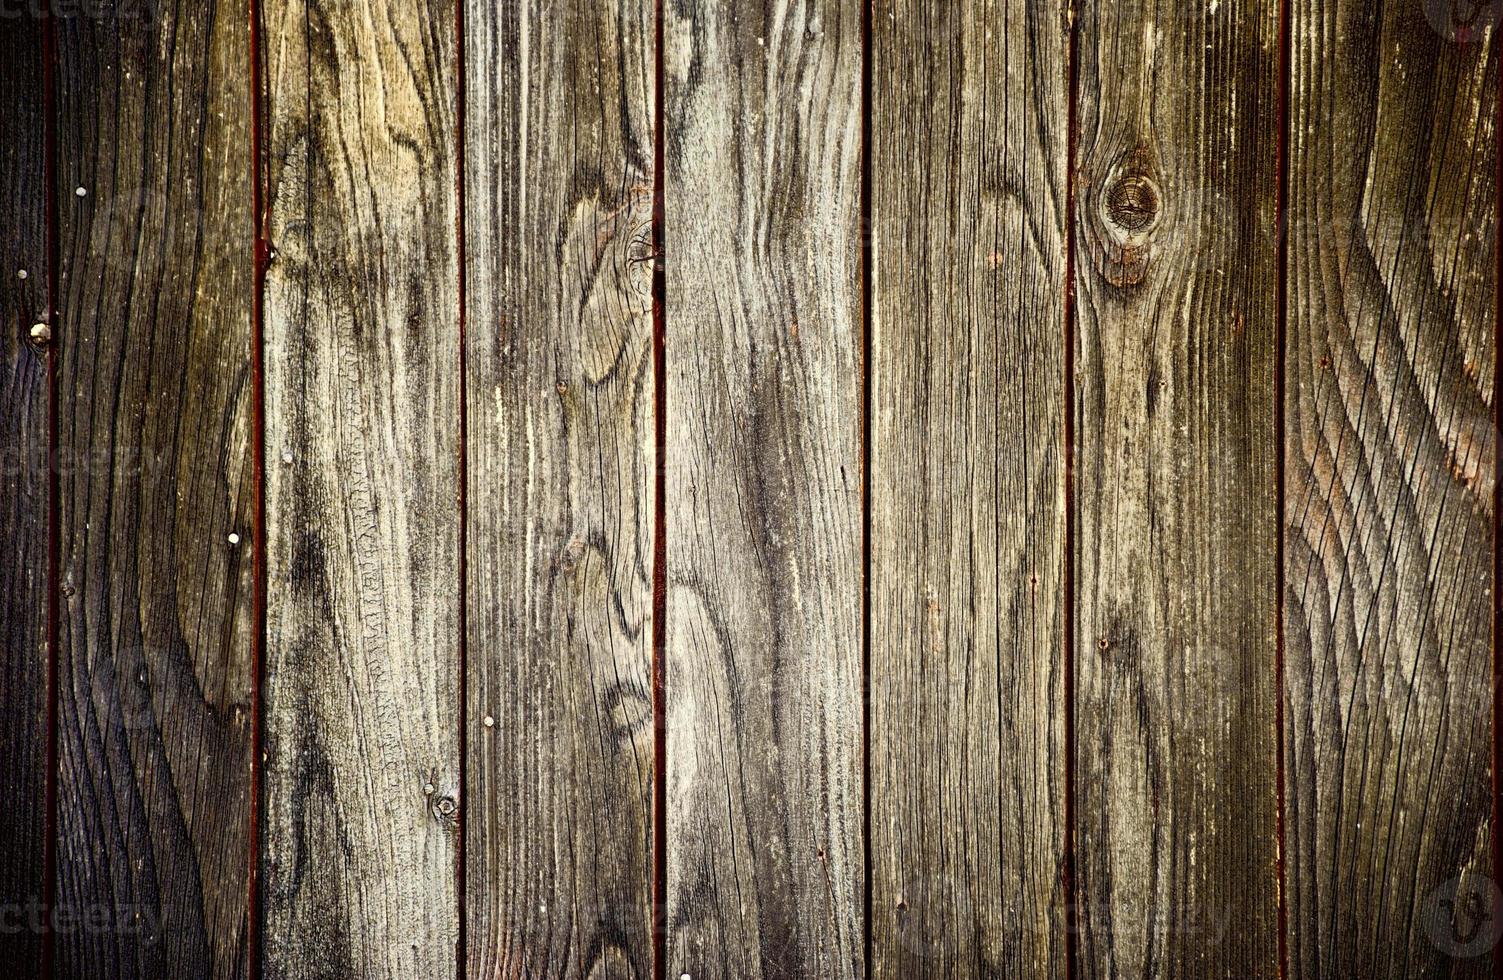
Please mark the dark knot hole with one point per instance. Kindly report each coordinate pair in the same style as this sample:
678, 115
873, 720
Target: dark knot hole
1133, 203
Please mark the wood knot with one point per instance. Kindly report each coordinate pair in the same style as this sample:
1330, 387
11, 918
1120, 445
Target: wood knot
1127, 209
1128, 213
446, 810
1132, 204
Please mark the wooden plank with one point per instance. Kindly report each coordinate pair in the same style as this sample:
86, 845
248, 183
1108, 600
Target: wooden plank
156, 481
968, 204
362, 521
560, 387
24, 498
763, 489
1390, 460
1176, 501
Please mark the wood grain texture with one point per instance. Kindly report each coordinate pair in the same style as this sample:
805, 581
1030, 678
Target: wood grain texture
154, 724
1390, 457
559, 191
763, 489
24, 497
362, 435
968, 160
1176, 671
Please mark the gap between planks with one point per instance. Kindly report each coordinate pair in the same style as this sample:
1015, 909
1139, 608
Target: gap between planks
864, 244
1281, 326
659, 668
1067, 577
1497, 419
261, 258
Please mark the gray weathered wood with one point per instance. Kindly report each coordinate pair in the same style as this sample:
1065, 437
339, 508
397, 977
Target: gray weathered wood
559, 190
362, 519
1390, 460
24, 498
1175, 494
763, 494
968, 160
156, 476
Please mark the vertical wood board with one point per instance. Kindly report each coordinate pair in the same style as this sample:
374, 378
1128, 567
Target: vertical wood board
968, 212
156, 492
559, 368
763, 489
1391, 456
1175, 490
362, 423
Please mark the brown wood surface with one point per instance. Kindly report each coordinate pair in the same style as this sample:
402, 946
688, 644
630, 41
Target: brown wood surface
763, 489
155, 475
362, 521
968, 211
969, 528
560, 389
1391, 460
1175, 491
24, 496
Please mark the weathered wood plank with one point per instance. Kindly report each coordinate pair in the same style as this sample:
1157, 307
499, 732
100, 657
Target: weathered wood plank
1390, 457
558, 222
1176, 502
362, 435
24, 496
763, 489
968, 160
156, 480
